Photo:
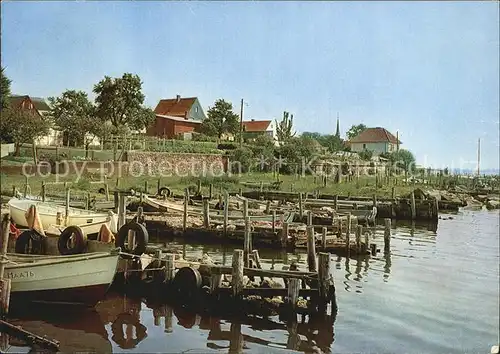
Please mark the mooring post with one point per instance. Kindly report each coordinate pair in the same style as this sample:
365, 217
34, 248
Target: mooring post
14, 191
247, 243
359, 231
122, 209
245, 208
309, 218
324, 278
387, 234
367, 246
43, 192
198, 187
169, 266
375, 200
274, 221
373, 247
185, 211
393, 193
87, 201
66, 207
168, 319
237, 273
159, 257
301, 208
293, 292
226, 211
261, 186
146, 187
115, 199
348, 233
413, 206
284, 234
335, 202
5, 284
268, 206
206, 214
323, 237
311, 249
210, 190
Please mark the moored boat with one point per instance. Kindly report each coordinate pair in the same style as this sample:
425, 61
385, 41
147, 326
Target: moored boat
81, 279
48, 213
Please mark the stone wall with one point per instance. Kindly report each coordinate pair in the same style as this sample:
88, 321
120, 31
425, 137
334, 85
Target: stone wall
175, 164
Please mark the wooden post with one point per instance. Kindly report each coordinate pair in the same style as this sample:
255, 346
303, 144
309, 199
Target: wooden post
146, 187
247, 242
26, 186
169, 266
210, 191
198, 187
87, 201
323, 237
373, 247
301, 210
140, 214
335, 202
309, 218
226, 212
256, 258
66, 207
311, 249
375, 200
293, 292
324, 278
366, 241
359, 232
106, 190
185, 213
158, 185
261, 186
387, 234
206, 214
284, 234
413, 207
44, 194
268, 206
121, 210
393, 193
5, 284
348, 233
274, 221
237, 273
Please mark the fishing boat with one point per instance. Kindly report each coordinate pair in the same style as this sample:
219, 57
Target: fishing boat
49, 213
81, 279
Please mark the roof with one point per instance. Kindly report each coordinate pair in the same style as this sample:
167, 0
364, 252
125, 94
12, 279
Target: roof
179, 119
256, 125
375, 135
172, 107
38, 102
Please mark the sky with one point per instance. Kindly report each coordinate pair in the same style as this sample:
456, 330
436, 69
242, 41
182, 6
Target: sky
428, 70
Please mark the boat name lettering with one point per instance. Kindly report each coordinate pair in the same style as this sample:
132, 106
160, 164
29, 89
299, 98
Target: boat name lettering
16, 275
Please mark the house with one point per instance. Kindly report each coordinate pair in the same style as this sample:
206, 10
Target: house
40, 110
254, 128
379, 140
176, 116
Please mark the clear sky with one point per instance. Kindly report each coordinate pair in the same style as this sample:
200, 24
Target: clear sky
429, 70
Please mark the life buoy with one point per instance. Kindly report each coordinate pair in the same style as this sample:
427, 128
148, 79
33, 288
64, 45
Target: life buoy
186, 284
164, 192
141, 238
31, 242
119, 334
72, 241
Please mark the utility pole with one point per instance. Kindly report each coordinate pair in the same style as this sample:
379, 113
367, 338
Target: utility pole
478, 156
241, 123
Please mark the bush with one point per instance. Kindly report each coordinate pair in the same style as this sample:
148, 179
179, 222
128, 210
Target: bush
227, 146
241, 160
365, 155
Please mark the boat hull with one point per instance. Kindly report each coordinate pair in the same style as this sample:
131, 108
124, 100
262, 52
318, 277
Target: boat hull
79, 279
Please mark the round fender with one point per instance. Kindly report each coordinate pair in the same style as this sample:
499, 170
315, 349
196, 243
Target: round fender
164, 192
141, 238
72, 241
31, 242
101, 191
186, 284
117, 329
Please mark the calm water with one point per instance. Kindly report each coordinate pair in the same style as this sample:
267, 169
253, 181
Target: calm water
437, 291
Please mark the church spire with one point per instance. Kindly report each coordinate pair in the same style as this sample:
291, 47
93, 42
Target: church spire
337, 133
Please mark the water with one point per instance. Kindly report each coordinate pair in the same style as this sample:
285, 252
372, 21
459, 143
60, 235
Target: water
437, 292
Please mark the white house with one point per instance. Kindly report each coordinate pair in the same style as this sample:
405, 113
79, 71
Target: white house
378, 140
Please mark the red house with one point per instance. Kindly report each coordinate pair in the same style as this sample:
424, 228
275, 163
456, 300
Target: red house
176, 116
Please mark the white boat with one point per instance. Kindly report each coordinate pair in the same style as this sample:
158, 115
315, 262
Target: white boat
48, 213
76, 279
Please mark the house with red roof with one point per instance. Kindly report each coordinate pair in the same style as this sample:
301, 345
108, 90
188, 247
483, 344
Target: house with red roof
253, 128
176, 116
379, 140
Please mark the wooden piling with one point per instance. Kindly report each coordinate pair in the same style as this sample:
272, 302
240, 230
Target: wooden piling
122, 210
87, 201
323, 237
284, 234
301, 209
185, 211
293, 292
348, 233
158, 185
226, 212
206, 214
309, 218
335, 202
5, 284
247, 242
375, 200
198, 187
268, 206
106, 191
373, 248
387, 234
26, 186
146, 187
359, 232
210, 191
311, 249
366, 241
393, 193
43, 192
324, 278
169, 266
274, 221
66, 207
245, 208
237, 273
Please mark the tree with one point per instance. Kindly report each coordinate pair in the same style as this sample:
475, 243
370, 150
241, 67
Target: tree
22, 126
332, 142
220, 120
120, 100
284, 128
365, 155
74, 114
355, 130
403, 159
4, 89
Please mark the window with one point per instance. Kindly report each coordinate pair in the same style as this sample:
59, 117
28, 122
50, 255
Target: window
196, 109
364, 146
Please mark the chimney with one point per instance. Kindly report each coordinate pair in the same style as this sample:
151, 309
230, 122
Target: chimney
178, 98
253, 120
